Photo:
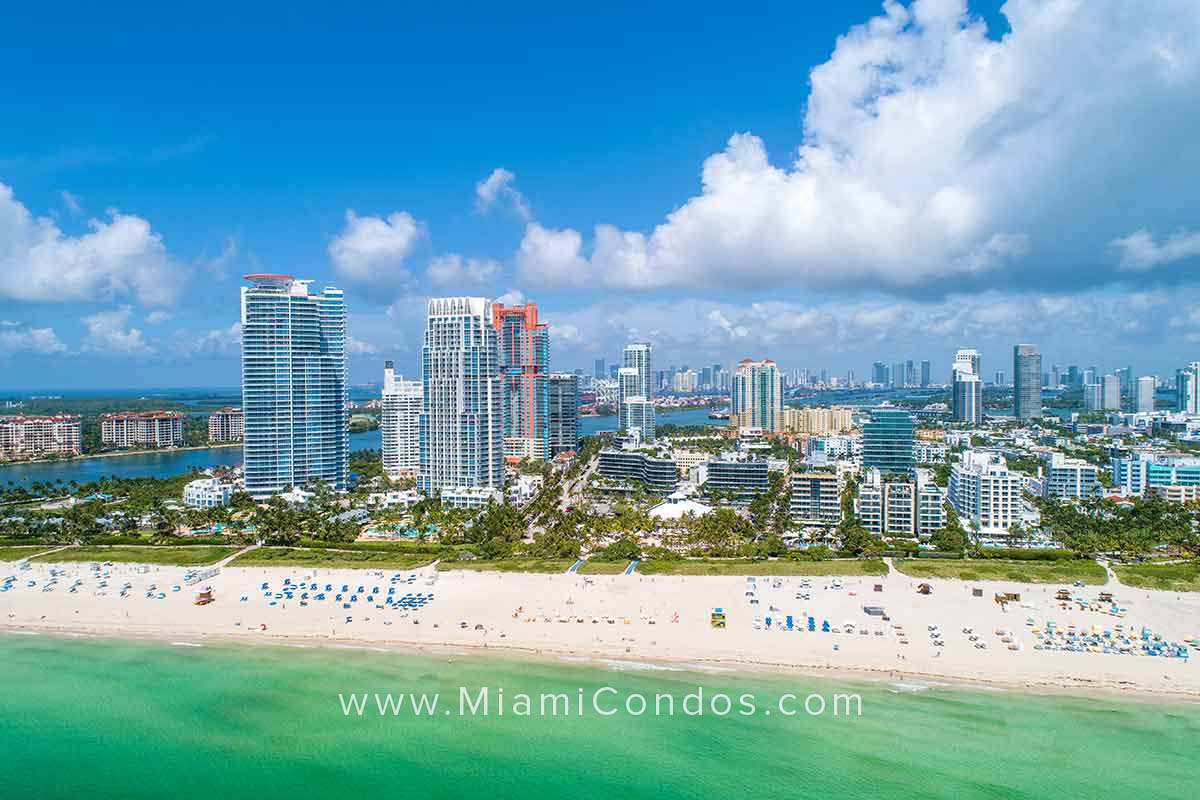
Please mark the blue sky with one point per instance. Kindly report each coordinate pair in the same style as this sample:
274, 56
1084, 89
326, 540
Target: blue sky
824, 184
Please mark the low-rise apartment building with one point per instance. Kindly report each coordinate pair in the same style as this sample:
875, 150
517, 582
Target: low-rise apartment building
26, 436
658, 472
816, 498
985, 493
1069, 478
743, 478
142, 429
207, 493
225, 425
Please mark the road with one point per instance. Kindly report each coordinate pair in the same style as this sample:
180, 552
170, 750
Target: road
571, 489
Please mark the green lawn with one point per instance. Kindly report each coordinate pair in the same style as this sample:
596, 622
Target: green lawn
733, 566
18, 553
329, 559
1170, 577
403, 546
175, 556
592, 567
550, 565
1067, 571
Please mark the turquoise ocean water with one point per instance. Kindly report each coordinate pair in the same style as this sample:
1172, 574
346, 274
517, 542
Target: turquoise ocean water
106, 719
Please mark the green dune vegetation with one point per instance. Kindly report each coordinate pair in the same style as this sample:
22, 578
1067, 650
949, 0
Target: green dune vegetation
173, 556
19, 552
970, 569
714, 566
515, 564
330, 558
1180, 577
598, 567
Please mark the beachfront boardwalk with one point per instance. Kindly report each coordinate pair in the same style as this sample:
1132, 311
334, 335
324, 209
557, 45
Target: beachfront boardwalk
225, 561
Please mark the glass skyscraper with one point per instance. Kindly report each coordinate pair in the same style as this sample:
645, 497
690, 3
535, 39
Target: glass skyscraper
524, 361
966, 387
888, 442
293, 385
757, 396
399, 424
967, 398
1144, 400
879, 373
462, 408
1187, 388
1027, 382
564, 412
636, 412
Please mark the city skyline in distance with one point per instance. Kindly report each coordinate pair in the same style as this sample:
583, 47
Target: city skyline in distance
699, 222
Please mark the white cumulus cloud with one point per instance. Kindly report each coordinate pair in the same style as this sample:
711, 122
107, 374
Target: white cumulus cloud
497, 187
120, 257
109, 333
15, 338
373, 249
933, 156
513, 297
218, 341
357, 347
566, 333
218, 265
453, 269
1139, 252
721, 321
552, 257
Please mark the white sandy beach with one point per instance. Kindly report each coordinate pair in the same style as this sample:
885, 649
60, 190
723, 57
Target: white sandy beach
553, 605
